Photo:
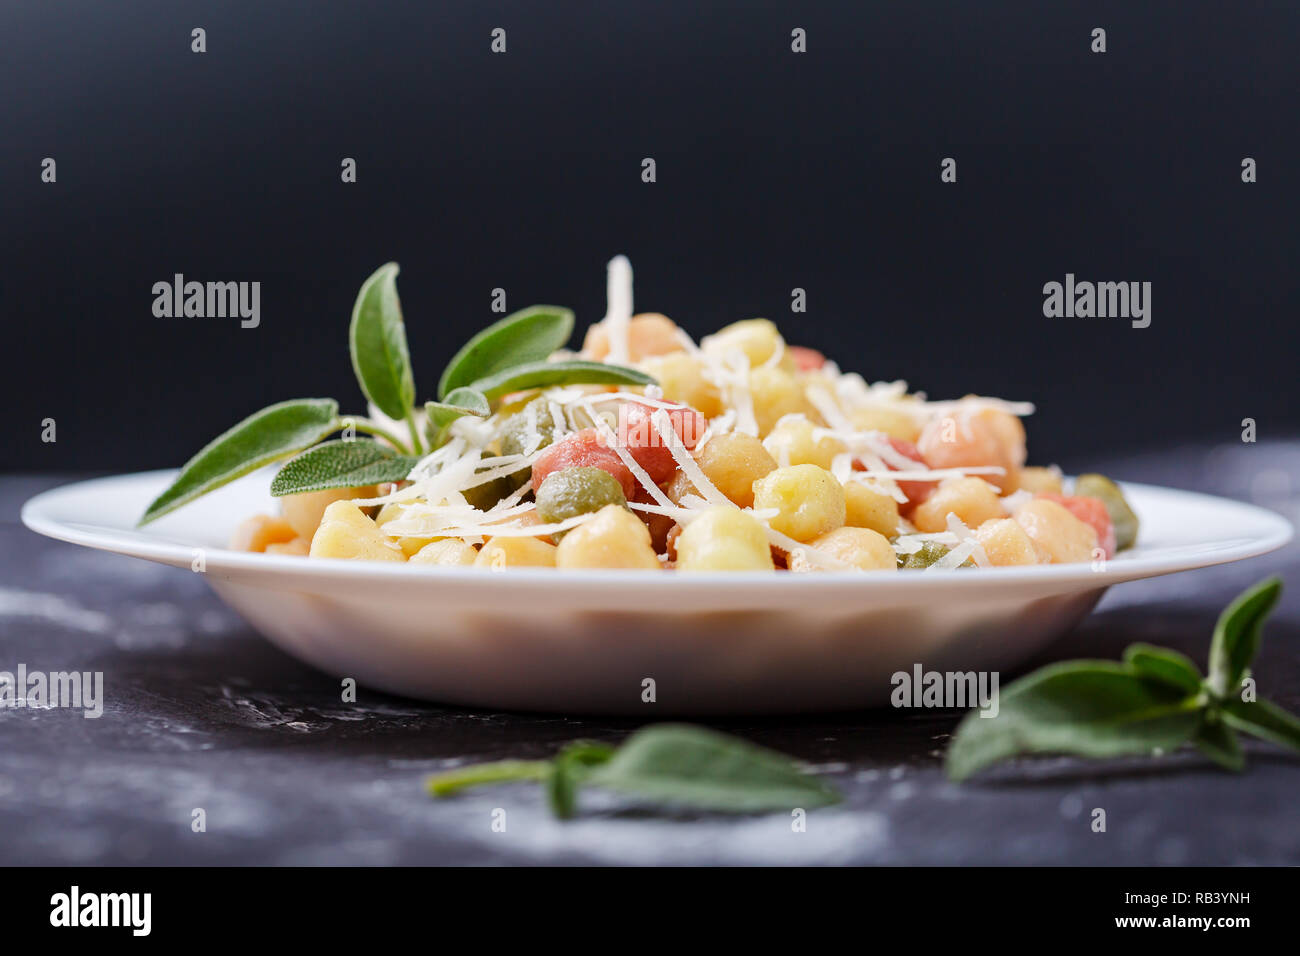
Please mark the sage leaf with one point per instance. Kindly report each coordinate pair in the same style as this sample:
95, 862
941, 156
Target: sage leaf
1264, 720
275, 432
377, 338
1237, 635
561, 789
529, 335
458, 403
341, 464
566, 372
701, 768
1164, 664
1216, 740
1088, 708
568, 769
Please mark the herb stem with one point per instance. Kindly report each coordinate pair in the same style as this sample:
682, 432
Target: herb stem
417, 444
370, 427
500, 771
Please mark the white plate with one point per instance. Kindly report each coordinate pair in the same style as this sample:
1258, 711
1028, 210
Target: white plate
584, 642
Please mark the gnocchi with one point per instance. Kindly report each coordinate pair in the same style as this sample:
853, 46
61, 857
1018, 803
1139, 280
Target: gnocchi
772, 457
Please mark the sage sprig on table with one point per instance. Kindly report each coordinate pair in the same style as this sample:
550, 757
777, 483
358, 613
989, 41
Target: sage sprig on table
508, 356
1152, 702
673, 764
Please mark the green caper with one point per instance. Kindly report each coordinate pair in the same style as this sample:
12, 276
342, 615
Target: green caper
515, 433
931, 551
484, 496
1122, 516
576, 491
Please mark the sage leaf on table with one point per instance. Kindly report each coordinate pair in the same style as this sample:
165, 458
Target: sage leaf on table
698, 767
1216, 740
1152, 702
1090, 708
1162, 664
567, 771
275, 432
665, 764
1264, 720
377, 338
529, 335
565, 372
1237, 634
342, 464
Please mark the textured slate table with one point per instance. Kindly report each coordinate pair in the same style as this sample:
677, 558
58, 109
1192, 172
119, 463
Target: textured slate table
201, 712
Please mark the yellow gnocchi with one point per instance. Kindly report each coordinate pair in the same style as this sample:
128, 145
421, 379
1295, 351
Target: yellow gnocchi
623, 459
724, 539
808, 501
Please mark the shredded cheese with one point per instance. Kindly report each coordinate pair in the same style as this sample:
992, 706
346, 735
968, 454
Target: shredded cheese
618, 308
685, 462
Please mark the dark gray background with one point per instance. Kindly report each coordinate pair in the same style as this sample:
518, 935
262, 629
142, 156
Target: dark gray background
775, 170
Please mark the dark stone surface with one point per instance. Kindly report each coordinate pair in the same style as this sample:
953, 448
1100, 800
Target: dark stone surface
200, 712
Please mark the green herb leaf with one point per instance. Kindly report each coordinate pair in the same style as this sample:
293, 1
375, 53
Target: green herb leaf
567, 372
458, 403
1237, 635
1164, 665
275, 432
1089, 708
1264, 720
569, 768
696, 767
377, 338
528, 335
341, 464
1216, 740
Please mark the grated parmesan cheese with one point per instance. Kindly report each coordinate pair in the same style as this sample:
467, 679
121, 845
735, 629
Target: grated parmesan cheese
618, 308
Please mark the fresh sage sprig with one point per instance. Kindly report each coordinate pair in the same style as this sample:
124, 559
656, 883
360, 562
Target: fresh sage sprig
529, 335
1151, 703
263, 437
669, 764
508, 356
377, 341
342, 464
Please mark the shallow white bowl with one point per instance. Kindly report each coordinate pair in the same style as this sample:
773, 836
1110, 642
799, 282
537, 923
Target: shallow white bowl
585, 642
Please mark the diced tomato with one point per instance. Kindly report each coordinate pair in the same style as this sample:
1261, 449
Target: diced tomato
643, 442
658, 525
916, 491
1091, 511
806, 359
586, 449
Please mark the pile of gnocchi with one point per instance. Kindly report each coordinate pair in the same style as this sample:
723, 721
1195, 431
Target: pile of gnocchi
749, 454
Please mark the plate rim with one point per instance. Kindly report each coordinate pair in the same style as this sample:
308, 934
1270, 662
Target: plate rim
35, 515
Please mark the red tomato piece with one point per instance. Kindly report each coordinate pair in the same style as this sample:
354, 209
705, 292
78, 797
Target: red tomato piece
586, 449
639, 436
806, 359
659, 525
1091, 511
916, 491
